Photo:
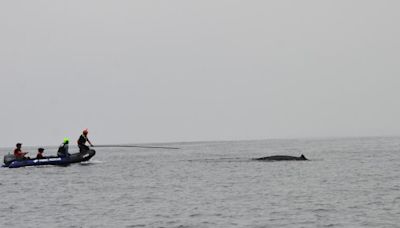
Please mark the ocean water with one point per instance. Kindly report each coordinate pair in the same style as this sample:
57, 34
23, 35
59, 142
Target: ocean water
352, 182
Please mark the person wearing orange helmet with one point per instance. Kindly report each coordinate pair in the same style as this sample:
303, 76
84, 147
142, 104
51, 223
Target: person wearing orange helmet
82, 141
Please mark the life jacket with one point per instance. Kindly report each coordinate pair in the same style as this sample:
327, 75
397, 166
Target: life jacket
18, 153
82, 140
63, 150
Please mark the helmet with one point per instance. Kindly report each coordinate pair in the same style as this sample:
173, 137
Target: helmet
19, 144
85, 131
66, 140
40, 149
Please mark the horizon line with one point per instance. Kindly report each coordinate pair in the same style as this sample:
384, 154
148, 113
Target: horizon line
230, 140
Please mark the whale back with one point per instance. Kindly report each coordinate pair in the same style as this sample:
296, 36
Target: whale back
282, 158
303, 157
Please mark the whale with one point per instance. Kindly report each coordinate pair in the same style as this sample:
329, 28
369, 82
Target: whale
282, 158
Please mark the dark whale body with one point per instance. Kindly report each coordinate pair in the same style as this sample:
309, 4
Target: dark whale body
282, 158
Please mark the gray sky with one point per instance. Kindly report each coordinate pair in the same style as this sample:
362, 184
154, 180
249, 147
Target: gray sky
158, 71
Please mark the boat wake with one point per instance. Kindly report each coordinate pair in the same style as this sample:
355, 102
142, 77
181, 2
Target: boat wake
91, 162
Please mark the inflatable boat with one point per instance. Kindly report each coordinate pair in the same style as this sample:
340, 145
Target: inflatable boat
11, 162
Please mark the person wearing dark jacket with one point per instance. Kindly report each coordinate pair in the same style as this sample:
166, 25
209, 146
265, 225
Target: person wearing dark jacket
82, 141
40, 154
63, 149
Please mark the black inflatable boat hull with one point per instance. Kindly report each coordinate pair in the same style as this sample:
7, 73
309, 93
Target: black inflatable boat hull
61, 161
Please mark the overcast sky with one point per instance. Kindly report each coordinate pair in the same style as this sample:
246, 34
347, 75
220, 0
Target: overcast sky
165, 71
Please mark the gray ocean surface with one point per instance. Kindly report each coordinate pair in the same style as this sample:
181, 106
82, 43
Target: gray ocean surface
350, 182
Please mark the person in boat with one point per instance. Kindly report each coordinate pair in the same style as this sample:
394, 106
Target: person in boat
40, 154
63, 149
82, 141
19, 155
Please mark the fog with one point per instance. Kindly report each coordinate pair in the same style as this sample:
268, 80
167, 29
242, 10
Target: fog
167, 71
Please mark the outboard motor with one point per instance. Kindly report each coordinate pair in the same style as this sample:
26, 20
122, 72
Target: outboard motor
8, 158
